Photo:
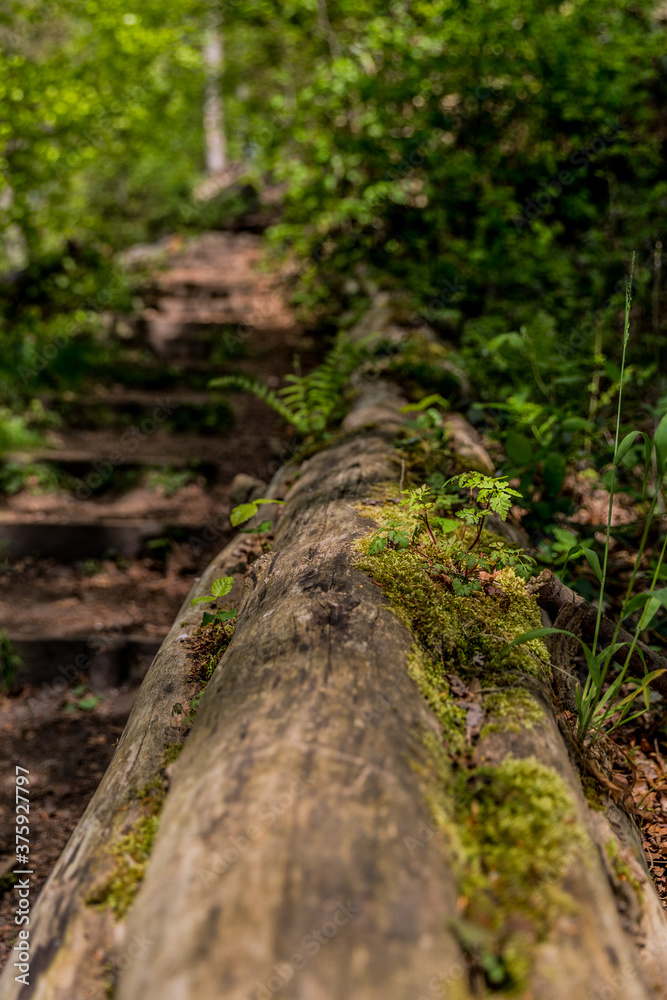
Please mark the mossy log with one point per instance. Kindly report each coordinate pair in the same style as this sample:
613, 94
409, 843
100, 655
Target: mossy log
315, 839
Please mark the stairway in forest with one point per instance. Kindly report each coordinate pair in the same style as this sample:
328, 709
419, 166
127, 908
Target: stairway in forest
93, 575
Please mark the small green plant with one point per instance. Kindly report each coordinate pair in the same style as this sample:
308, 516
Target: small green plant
455, 564
245, 511
309, 402
601, 706
10, 663
219, 588
170, 480
85, 700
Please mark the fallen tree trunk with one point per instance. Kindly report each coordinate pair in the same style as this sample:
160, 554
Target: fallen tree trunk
310, 843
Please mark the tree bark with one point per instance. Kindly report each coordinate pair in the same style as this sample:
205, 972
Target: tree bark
281, 863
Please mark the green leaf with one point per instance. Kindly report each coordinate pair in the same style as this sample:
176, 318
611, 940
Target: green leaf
594, 562
242, 513
574, 424
268, 501
650, 611
446, 524
536, 633
660, 440
376, 546
640, 600
399, 539
625, 446
225, 616
222, 586
423, 404
261, 529
89, 703
201, 600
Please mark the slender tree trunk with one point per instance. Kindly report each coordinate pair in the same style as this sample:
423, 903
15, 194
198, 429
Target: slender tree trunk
214, 115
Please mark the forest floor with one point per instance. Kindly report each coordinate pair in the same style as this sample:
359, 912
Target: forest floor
93, 573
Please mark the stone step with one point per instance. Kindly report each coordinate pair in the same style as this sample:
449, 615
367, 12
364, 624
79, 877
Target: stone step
96, 469
77, 539
204, 412
109, 661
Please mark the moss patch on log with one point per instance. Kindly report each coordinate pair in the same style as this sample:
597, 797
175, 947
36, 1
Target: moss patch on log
132, 852
511, 827
461, 632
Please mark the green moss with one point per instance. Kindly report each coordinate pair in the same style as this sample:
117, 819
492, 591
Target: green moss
172, 752
512, 833
513, 709
131, 852
511, 828
461, 631
434, 688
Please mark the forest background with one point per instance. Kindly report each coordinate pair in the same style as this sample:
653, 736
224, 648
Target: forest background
494, 164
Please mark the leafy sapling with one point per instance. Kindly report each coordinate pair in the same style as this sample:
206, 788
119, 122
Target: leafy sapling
494, 496
446, 558
219, 588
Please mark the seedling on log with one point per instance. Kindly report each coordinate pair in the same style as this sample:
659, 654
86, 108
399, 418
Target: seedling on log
448, 559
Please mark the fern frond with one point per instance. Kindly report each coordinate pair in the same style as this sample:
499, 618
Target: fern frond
260, 391
307, 402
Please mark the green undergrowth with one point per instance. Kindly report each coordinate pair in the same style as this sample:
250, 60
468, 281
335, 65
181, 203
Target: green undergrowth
510, 827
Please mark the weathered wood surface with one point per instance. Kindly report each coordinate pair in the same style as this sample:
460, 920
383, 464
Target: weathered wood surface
281, 866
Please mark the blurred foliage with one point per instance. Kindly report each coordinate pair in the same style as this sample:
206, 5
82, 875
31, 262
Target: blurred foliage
499, 160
